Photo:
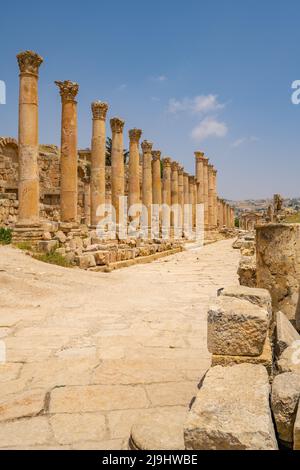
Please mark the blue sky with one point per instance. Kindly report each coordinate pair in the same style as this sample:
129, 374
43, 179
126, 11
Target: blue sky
196, 75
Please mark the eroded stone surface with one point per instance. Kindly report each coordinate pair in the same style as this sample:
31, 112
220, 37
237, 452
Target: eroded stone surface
285, 333
231, 411
260, 297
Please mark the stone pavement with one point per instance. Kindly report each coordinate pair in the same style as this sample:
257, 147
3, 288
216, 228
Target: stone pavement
89, 353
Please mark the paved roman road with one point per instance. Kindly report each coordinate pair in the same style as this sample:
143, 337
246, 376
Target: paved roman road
89, 353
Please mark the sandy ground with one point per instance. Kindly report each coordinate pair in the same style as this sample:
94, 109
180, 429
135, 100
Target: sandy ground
88, 354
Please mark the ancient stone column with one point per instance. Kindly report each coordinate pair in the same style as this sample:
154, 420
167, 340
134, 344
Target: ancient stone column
180, 197
28, 187
192, 192
156, 177
210, 197
166, 194
199, 174
224, 213
134, 167
186, 197
278, 265
215, 195
174, 194
147, 180
220, 213
68, 157
87, 202
99, 111
117, 170
205, 191
228, 216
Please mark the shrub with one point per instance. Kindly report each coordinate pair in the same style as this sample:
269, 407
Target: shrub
53, 258
24, 246
5, 236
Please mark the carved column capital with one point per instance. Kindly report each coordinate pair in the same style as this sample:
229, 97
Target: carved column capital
68, 90
135, 135
174, 166
166, 162
29, 62
146, 146
180, 170
199, 156
117, 125
156, 154
99, 110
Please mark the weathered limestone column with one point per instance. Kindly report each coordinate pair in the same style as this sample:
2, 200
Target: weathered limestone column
134, 167
224, 213
199, 174
278, 265
205, 191
210, 197
147, 179
87, 202
166, 195
99, 111
180, 197
174, 194
117, 169
68, 157
215, 194
220, 213
232, 218
28, 187
192, 191
186, 197
156, 177
228, 216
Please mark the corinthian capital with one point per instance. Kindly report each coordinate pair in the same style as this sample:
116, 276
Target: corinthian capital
166, 162
174, 166
147, 146
156, 155
135, 135
117, 125
29, 62
199, 155
67, 90
180, 170
99, 110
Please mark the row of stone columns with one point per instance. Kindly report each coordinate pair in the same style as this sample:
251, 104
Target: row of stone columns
162, 182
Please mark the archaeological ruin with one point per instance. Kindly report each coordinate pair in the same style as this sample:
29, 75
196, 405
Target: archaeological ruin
200, 350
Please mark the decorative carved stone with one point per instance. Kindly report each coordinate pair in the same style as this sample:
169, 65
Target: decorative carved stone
117, 125
135, 135
199, 155
99, 110
156, 154
146, 146
29, 62
166, 162
174, 166
67, 90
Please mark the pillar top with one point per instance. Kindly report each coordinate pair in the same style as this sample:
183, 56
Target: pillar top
174, 166
29, 62
99, 110
210, 166
166, 162
135, 134
180, 170
156, 154
185, 174
192, 179
205, 160
117, 125
199, 155
67, 90
146, 146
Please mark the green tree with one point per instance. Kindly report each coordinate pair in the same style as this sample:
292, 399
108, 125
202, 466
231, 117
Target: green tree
109, 150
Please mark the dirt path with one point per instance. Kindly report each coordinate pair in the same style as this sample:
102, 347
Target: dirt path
88, 353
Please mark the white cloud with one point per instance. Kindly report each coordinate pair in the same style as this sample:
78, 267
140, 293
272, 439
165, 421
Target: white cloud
200, 104
122, 87
209, 127
160, 78
237, 143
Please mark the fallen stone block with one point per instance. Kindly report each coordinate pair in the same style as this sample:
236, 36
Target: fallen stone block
47, 246
284, 401
86, 261
101, 257
236, 327
247, 271
285, 333
260, 297
265, 359
231, 411
289, 360
297, 431
60, 236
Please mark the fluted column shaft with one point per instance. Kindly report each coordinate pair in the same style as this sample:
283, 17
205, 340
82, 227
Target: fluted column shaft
87, 203
210, 197
166, 193
117, 168
192, 197
147, 178
68, 158
180, 196
28, 186
199, 175
205, 191
215, 195
174, 194
134, 167
98, 149
156, 177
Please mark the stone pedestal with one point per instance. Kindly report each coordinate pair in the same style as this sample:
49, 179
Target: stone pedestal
28, 187
117, 171
99, 111
278, 265
68, 158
